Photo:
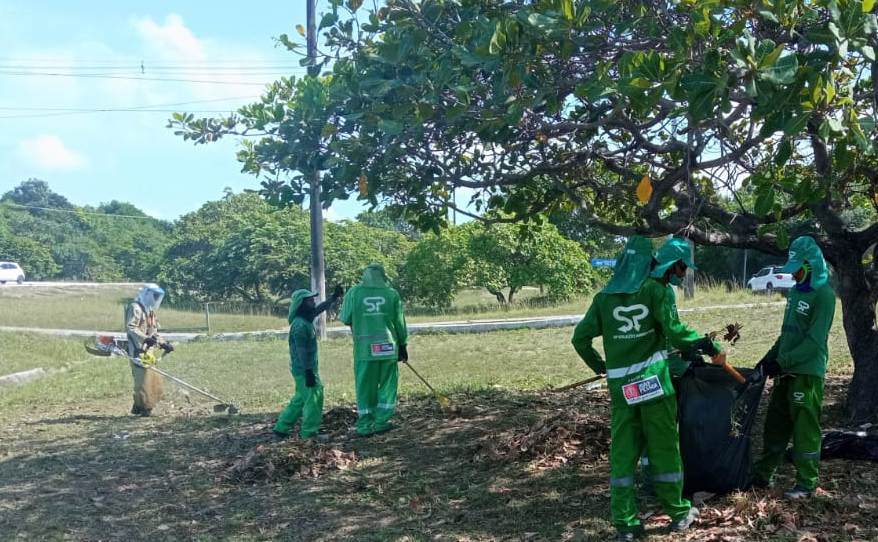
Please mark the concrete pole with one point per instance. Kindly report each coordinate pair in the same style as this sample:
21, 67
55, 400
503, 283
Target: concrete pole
318, 268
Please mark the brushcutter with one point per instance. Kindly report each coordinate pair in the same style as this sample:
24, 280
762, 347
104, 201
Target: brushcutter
109, 346
444, 402
221, 406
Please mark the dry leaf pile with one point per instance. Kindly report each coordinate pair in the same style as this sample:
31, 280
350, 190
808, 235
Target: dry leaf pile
289, 460
553, 441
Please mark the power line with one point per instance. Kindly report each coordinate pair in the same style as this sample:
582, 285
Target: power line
109, 76
211, 100
87, 112
77, 212
148, 67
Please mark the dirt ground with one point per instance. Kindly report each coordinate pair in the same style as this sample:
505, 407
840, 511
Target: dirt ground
507, 466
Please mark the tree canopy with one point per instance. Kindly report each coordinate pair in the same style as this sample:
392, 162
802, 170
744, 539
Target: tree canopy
729, 122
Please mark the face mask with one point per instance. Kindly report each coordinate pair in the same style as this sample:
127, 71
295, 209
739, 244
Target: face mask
675, 279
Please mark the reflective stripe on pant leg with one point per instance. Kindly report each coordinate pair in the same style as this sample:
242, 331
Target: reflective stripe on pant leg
659, 419
387, 390
626, 442
805, 403
777, 431
367, 395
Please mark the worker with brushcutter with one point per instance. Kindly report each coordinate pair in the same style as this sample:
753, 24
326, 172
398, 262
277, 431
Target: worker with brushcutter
375, 313
142, 329
307, 400
636, 315
797, 362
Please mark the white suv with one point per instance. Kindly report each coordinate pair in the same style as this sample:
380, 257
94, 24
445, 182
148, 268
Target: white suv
769, 279
11, 272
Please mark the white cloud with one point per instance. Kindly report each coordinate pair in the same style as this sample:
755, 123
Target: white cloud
199, 58
50, 152
172, 40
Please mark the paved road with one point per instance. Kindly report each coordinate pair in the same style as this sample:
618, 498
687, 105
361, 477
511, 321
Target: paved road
459, 326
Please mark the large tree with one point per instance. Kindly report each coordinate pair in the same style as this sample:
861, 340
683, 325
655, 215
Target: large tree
541, 105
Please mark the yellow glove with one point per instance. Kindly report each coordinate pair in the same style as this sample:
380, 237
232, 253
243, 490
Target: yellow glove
148, 358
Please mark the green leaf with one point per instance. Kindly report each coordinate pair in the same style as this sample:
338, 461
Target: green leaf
764, 202
328, 20
868, 5
498, 40
796, 124
640, 82
784, 152
768, 16
389, 127
769, 59
567, 9
868, 52
542, 22
782, 72
701, 92
783, 236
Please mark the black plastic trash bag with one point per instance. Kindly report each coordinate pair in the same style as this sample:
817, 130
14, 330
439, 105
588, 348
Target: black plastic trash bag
849, 445
716, 419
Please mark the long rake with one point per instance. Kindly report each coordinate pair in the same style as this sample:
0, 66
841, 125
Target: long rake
444, 402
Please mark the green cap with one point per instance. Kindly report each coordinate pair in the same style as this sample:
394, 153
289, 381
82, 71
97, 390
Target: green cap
296, 301
674, 249
632, 267
804, 249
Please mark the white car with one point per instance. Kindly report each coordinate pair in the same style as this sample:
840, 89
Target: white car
769, 279
11, 272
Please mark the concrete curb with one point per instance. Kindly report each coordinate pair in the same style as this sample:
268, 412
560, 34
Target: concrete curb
454, 327
16, 379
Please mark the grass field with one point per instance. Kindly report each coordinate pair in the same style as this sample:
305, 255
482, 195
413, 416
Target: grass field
75, 466
100, 308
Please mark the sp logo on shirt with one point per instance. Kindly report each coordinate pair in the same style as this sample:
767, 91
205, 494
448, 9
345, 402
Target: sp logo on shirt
803, 308
799, 397
630, 317
374, 304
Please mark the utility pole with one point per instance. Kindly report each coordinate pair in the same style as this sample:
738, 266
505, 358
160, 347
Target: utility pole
744, 276
318, 278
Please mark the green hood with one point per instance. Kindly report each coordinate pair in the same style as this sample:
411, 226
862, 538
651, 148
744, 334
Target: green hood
632, 267
674, 249
803, 249
296, 301
374, 276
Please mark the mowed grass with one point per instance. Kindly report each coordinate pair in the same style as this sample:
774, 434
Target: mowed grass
520, 359
75, 466
101, 308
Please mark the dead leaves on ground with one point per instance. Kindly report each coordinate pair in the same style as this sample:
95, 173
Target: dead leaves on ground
561, 437
291, 459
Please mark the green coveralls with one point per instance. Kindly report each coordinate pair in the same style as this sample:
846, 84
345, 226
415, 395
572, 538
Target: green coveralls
636, 327
802, 352
374, 312
306, 402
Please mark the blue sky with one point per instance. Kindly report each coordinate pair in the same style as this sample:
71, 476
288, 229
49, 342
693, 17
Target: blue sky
91, 157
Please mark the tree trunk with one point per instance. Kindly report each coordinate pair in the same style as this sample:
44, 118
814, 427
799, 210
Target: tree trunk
511, 294
858, 302
499, 295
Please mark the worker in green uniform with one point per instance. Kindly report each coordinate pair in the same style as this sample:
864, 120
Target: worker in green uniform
797, 361
307, 400
375, 313
636, 316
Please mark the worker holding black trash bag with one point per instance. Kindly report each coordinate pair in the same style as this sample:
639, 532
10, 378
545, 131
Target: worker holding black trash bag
637, 318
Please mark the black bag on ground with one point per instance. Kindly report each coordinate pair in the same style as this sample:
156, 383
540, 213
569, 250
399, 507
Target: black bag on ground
716, 419
849, 445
